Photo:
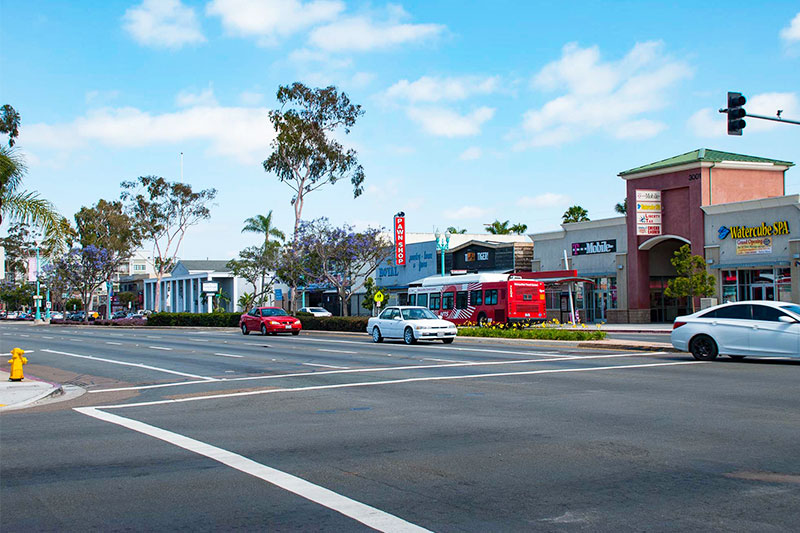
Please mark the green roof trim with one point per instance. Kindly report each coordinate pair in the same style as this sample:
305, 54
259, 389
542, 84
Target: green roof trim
703, 155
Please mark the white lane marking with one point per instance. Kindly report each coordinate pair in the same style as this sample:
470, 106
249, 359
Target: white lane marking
335, 351
199, 340
394, 382
228, 355
325, 366
367, 515
160, 348
46, 337
365, 370
114, 343
137, 365
22, 335
444, 360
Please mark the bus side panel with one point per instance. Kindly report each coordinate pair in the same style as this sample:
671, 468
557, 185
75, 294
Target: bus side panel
526, 300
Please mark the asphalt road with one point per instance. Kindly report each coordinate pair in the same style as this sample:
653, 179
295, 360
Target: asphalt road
200, 430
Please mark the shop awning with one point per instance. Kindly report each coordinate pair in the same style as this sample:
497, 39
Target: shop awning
570, 279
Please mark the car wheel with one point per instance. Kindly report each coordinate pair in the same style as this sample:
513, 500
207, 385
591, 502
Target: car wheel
482, 322
408, 336
736, 357
244, 329
376, 335
448, 341
263, 330
295, 333
703, 348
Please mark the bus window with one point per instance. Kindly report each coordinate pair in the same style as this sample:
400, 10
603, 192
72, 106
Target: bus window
422, 300
476, 297
447, 300
434, 302
412, 299
461, 300
490, 297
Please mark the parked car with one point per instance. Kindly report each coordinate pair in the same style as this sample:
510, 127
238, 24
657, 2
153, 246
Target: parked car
316, 311
24, 316
12, 315
56, 315
410, 323
119, 314
272, 320
77, 315
741, 329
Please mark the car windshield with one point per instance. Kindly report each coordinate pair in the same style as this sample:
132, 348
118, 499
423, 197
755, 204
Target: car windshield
794, 308
273, 312
418, 313
318, 310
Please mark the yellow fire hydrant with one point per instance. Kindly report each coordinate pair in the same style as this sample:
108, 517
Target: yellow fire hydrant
17, 360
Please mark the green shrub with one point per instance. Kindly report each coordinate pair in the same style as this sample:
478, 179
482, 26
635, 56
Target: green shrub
334, 323
552, 334
213, 320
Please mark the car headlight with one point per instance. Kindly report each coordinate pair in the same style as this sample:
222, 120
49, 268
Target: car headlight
417, 326
274, 323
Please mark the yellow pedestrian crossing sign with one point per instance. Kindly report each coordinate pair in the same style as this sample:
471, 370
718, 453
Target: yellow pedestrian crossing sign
378, 297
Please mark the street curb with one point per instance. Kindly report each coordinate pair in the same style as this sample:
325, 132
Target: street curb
55, 391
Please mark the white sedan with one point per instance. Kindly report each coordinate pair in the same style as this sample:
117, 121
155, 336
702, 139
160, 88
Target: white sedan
740, 329
411, 324
316, 311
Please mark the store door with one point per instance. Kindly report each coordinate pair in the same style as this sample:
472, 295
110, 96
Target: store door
762, 292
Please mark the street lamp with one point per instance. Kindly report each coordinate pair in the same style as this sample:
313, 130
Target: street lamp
442, 244
38, 316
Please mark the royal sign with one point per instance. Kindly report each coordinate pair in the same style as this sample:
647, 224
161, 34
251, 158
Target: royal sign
400, 240
747, 232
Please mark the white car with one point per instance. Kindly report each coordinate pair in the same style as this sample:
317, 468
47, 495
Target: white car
316, 311
412, 324
740, 329
56, 315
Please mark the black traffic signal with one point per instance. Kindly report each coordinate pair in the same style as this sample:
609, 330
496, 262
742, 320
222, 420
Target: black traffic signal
736, 113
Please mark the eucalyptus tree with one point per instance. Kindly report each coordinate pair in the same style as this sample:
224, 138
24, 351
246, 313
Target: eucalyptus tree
164, 211
305, 153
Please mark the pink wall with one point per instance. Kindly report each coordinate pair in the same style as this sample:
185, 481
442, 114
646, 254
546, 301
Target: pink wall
733, 185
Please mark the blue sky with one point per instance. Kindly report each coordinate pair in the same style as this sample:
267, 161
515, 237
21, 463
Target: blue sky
474, 111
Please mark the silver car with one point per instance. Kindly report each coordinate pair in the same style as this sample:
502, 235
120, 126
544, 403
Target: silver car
740, 329
410, 323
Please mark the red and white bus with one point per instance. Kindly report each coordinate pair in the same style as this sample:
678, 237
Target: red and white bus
481, 298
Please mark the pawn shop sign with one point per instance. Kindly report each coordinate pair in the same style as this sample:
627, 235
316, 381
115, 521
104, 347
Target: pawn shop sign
378, 297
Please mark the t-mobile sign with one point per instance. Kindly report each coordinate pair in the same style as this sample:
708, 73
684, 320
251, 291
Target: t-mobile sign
594, 247
400, 240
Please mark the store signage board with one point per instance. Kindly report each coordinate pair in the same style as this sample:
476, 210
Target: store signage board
648, 212
648, 218
643, 195
754, 246
400, 240
210, 286
594, 247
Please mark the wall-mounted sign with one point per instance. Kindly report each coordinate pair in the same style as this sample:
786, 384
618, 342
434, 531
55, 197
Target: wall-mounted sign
754, 245
400, 240
278, 294
476, 256
594, 247
210, 286
746, 232
648, 212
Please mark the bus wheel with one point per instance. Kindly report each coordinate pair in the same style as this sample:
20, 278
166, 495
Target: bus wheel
482, 321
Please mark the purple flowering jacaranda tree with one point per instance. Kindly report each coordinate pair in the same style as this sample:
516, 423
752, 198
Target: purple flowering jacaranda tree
85, 270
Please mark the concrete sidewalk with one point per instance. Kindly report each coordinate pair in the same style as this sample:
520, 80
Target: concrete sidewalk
19, 394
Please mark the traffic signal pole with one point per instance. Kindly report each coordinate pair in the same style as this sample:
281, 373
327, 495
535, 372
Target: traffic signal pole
773, 119
736, 114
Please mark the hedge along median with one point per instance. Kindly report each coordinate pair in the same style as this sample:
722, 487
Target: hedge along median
550, 334
231, 320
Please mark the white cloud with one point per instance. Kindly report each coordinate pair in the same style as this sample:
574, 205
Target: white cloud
707, 122
548, 199
433, 89
791, 33
471, 153
240, 133
467, 212
599, 96
363, 33
100, 97
267, 20
188, 98
250, 98
448, 123
163, 24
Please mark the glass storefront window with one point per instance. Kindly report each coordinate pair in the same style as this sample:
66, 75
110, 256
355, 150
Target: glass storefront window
784, 283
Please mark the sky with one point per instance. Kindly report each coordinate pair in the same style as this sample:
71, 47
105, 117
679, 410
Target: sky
474, 111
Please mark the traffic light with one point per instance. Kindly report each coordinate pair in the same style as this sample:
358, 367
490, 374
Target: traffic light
736, 113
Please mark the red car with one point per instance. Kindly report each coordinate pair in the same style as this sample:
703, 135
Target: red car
271, 320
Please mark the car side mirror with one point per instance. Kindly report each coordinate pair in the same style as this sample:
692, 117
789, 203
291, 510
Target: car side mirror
786, 319
398, 318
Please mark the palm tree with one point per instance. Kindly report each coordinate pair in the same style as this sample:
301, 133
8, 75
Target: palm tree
498, 228
519, 228
622, 208
27, 206
453, 230
263, 224
575, 214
